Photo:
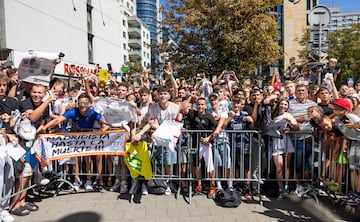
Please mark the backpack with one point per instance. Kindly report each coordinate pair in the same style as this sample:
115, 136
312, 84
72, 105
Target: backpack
157, 186
228, 198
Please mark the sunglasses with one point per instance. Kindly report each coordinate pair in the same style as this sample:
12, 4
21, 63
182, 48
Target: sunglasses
83, 103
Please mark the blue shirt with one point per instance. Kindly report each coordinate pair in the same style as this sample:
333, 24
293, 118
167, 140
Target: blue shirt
83, 121
238, 122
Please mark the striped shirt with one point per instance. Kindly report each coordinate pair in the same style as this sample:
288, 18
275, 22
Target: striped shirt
297, 108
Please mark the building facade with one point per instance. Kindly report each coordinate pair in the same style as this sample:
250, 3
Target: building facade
87, 32
149, 12
343, 20
294, 22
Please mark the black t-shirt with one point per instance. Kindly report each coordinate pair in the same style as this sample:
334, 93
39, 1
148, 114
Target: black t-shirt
197, 122
7, 105
29, 105
203, 122
263, 115
327, 110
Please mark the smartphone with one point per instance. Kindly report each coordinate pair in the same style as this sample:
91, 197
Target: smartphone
109, 67
344, 119
226, 73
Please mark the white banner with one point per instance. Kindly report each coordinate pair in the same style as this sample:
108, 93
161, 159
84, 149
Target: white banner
115, 111
74, 144
37, 67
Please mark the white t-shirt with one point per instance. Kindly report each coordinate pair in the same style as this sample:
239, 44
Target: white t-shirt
170, 113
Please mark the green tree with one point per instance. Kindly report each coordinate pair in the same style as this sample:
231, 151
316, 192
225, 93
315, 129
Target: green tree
213, 35
134, 65
345, 46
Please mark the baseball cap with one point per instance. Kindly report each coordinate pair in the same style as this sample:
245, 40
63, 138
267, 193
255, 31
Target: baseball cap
344, 103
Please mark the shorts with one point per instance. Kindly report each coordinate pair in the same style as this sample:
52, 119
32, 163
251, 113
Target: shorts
222, 154
303, 155
282, 146
164, 155
354, 156
342, 158
22, 169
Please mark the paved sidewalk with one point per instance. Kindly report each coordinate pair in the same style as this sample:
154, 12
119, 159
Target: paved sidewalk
105, 206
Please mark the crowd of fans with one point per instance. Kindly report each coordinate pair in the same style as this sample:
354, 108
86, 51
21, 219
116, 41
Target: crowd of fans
303, 99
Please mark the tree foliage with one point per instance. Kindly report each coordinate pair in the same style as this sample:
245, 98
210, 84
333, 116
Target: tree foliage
213, 35
134, 65
345, 47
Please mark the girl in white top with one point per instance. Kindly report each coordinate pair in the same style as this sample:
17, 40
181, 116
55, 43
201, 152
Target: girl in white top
283, 147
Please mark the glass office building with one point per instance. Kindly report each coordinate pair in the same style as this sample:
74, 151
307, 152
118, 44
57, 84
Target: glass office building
148, 12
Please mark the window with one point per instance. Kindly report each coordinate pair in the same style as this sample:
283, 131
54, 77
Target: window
314, 3
124, 46
124, 35
308, 4
125, 58
124, 22
90, 48
89, 18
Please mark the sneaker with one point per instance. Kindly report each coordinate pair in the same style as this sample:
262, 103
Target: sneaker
144, 189
247, 195
88, 187
286, 192
300, 191
334, 187
96, 185
212, 193
39, 179
5, 216
124, 188
281, 196
230, 189
77, 184
328, 182
198, 188
115, 187
168, 191
255, 177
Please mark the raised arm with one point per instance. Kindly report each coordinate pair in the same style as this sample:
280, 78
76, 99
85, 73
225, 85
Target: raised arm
169, 72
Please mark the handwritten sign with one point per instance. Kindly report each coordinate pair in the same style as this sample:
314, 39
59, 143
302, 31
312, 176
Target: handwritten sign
74, 144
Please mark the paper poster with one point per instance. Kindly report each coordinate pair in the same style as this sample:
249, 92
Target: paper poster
37, 67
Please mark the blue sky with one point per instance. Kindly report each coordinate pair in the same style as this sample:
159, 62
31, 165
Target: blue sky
344, 5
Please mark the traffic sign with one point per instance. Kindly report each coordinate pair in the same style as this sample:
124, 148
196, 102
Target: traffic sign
320, 15
125, 69
350, 81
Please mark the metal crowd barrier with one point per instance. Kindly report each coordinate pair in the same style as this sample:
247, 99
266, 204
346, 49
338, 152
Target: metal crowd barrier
250, 162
